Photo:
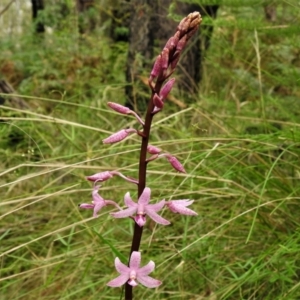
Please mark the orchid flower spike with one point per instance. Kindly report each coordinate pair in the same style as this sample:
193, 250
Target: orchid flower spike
98, 202
180, 207
141, 209
134, 273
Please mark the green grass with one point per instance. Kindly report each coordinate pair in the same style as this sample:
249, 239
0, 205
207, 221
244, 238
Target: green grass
239, 141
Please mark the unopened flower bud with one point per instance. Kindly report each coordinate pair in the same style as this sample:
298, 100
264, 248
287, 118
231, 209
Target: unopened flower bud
165, 59
175, 163
102, 176
118, 136
119, 108
153, 150
181, 43
157, 101
156, 68
171, 43
165, 90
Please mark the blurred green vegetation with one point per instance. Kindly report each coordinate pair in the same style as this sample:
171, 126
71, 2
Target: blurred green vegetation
239, 141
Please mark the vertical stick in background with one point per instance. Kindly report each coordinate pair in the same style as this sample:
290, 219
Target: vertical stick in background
37, 5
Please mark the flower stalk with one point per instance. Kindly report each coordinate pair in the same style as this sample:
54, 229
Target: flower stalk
160, 86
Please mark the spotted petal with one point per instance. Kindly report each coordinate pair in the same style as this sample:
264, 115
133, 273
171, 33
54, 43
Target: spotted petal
149, 281
157, 218
135, 260
119, 281
125, 213
147, 269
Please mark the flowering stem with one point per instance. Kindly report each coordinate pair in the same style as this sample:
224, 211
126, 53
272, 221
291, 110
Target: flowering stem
138, 231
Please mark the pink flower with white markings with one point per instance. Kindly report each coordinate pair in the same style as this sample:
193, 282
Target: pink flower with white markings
134, 274
97, 203
180, 207
141, 209
118, 136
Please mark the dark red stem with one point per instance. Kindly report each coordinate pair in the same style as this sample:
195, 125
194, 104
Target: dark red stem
138, 231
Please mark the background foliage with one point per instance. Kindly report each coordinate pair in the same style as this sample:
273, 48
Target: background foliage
238, 139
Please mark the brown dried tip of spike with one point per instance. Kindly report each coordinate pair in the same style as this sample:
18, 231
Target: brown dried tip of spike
184, 25
189, 23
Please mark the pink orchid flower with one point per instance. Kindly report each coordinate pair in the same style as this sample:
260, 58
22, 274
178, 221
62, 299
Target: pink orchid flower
180, 207
141, 209
98, 202
134, 273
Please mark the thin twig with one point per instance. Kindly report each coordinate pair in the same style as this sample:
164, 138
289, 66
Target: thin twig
6, 7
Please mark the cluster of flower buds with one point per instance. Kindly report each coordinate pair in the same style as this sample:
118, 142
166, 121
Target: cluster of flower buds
167, 60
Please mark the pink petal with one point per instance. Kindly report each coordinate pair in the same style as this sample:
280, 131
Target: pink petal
145, 197
125, 213
120, 267
86, 206
96, 197
183, 202
132, 282
119, 108
128, 201
147, 269
140, 220
102, 176
98, 207
119, 281
179, 206
149, 281
155, 207
135, 260
157, 218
